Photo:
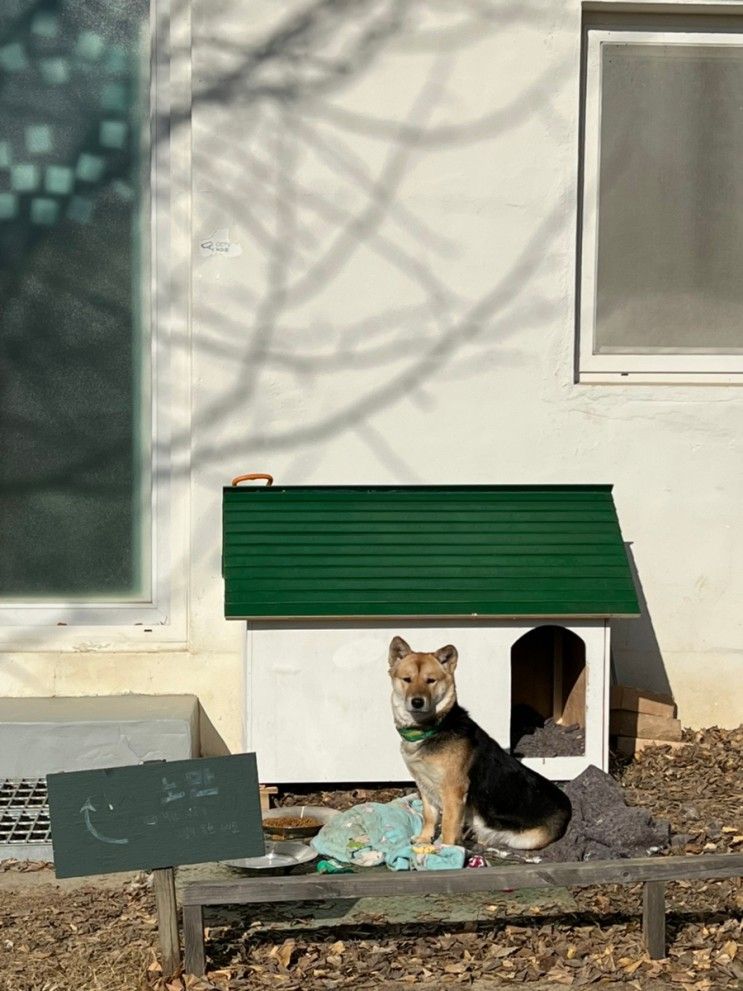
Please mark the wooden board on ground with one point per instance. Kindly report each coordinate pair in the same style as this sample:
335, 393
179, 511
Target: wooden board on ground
638, 700
155, 815
645, 727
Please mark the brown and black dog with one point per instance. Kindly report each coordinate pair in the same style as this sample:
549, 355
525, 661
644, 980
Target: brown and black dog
461, 772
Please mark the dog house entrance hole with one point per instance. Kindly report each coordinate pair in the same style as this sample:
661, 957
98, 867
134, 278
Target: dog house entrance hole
548, 693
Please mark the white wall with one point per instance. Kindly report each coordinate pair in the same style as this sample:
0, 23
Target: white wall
399, 183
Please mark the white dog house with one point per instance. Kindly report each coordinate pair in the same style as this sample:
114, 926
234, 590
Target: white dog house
522, 579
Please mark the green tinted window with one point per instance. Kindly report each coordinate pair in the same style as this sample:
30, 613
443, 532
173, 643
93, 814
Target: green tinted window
74, 80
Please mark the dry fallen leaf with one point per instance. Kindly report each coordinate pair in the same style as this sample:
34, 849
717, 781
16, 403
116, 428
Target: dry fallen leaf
560, 976
632, 967
731, 948
283, 953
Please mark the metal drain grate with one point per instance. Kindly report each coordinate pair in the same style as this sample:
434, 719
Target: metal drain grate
25, 830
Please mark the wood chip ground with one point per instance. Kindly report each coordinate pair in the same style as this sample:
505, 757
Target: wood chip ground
103, 937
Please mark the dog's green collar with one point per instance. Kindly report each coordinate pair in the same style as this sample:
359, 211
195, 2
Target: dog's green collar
416, 734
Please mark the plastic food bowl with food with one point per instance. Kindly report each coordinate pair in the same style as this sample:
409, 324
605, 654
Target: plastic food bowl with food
296, 821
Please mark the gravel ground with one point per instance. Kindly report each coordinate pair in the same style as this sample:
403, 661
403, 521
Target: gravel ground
60, 937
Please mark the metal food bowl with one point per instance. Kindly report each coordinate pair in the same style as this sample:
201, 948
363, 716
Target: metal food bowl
278, 857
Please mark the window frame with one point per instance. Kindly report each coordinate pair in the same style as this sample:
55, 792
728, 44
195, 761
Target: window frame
159, 616
672, 365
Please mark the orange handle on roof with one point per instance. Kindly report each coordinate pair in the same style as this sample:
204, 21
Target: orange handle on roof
253, 477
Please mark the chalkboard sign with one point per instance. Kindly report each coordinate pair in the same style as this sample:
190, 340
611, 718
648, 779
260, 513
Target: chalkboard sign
155, 815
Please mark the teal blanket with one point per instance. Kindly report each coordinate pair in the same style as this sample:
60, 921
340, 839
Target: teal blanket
375, 833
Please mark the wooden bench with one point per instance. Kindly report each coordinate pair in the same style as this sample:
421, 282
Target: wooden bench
652, 872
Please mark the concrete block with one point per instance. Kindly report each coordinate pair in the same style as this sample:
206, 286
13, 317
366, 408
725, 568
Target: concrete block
39, 736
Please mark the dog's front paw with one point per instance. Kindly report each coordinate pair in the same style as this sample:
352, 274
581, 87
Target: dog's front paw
422, 838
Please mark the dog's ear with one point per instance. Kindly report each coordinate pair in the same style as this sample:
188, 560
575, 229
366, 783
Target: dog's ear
398, 649
447, 657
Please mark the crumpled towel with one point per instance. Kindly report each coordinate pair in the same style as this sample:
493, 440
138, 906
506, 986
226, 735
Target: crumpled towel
375, 833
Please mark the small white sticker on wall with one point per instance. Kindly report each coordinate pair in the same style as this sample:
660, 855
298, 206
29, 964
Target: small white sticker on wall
219, 244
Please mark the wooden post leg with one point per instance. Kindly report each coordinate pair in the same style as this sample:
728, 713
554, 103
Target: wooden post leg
654, 918
167, 919
193, 940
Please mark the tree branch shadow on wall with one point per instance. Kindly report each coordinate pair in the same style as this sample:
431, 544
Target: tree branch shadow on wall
303, 231
307, 238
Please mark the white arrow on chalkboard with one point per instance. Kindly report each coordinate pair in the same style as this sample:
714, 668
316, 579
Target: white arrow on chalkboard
86, 809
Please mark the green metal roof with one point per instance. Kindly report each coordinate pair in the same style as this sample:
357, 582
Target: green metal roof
302, 552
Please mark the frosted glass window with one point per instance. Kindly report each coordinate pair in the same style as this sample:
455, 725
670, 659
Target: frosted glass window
74, 426
669, 254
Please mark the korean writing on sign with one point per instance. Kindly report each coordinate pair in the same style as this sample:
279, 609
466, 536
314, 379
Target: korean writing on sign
191, 784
